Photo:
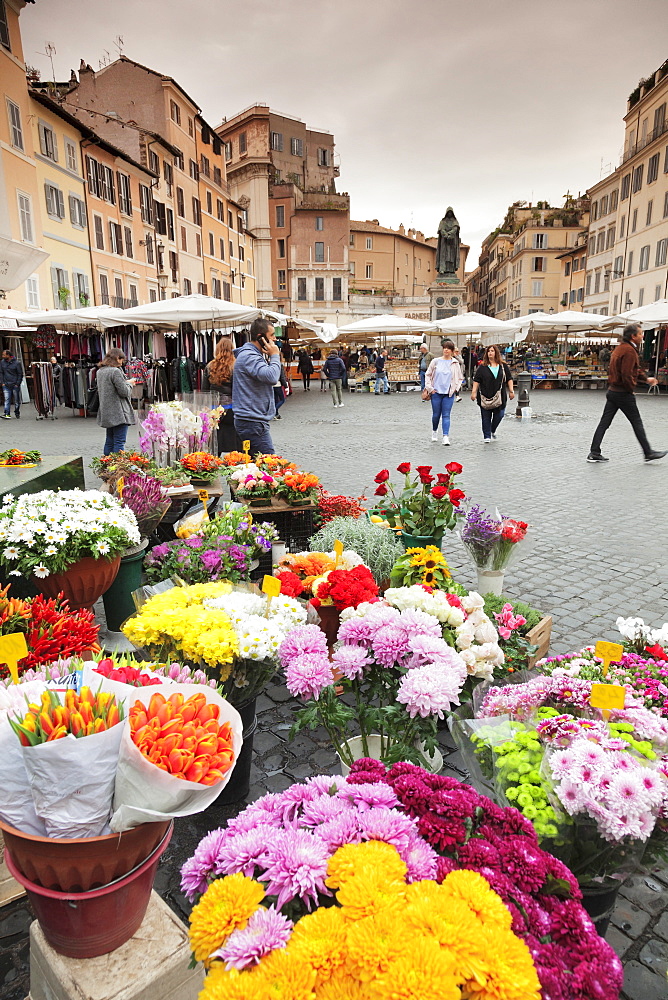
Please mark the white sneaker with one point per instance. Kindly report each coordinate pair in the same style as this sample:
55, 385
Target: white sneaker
486, 440
434, 435
446, 439
340, 404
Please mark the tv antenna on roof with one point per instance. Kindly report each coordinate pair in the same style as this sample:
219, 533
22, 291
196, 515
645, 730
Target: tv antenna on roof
105, 60
119, 43
49, 52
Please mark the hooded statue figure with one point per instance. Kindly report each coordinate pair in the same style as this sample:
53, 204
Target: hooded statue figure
447, 254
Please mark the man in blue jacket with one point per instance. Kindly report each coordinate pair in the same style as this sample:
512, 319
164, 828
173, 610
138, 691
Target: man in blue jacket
257, 368
335, 370
11, 376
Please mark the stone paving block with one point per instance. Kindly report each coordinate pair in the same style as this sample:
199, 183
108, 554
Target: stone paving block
662, 927
640, 983
645, 892
655, 955
620, 942
629, 918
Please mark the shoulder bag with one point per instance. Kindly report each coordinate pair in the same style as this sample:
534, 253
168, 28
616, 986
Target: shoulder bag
496, 401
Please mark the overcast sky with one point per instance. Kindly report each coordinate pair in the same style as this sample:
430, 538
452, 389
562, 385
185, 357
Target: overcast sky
469, 103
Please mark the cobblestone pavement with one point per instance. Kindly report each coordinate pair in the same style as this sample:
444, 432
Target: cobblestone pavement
597, 550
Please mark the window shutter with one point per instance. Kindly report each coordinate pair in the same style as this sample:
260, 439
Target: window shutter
73, 210
54, 286
112, 193
49, 201
206, 135
119, 239
42, 140
112, 237
61, 204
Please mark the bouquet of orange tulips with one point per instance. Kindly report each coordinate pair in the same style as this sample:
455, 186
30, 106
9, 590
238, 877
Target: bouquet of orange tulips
177, 753
82, 715
183, 737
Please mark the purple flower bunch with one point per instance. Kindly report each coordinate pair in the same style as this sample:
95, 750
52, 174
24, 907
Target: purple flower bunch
147, 499
470, 832
480, 534
155, 432
202, 558
647, 678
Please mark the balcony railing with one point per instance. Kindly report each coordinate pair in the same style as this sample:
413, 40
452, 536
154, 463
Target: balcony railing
641, 144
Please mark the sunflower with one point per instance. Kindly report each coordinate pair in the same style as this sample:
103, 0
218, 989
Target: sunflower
227, 904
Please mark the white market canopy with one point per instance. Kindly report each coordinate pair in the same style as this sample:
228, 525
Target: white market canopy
104, 316
189, 309
474, 322
386, 323
568, 321
649, 316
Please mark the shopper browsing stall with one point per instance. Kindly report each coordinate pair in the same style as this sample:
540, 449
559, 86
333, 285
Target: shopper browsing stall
115, 411
334, 370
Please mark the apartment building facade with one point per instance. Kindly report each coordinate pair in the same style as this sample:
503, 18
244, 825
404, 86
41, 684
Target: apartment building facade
389, 261
284, 175
573, 271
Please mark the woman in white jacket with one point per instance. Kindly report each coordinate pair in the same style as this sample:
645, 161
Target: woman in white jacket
443, 382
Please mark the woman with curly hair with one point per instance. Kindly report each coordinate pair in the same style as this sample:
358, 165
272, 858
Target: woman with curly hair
221, 374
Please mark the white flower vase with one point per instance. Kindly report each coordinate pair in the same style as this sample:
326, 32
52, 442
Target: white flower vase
490, 581
373, 742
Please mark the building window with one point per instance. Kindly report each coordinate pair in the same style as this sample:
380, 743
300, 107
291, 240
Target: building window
618, 267
661, 253
641, 296
32, 292
603, 206
25, 217
220, 210
115, 238
336, 289
614, 196
597, 281
77, 212
179, 160
567, 268
626, 187
652, 168
606, 281
281, 281
610, 238
319, 223
47, 142
215, 287
184, 239
201, 288
174, 265
180, 203
572, 296
538, 264
351, 268
600, 242
580, 294
320, 253
212, 245
280, 216
4, 27
588, 285
160, 217
146, 205
280, 248
227, 146
324, 157
242, 142
55, 203
297, 147
209, 203
222, 249
175, 112
154, 162
15, 129
301, 289
128, 242
168, 171
148, 243
230, 247
217, 178
368, 271
319, 289
104, 289
276, 141
537, 289
369, 242
594, 211
124, 194
648, 219
634, 220
197, 212
198, 244
351, 241
539, 241
99, 232
230, 222
205, 166
637, 178
187, 286
194, 170
629, 264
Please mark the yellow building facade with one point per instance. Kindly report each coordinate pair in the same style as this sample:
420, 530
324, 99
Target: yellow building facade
389, 261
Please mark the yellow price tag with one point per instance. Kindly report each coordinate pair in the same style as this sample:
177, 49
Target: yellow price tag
203, 495
120, 486
246, 446
609, 652
338, 551
607, 696
271, 586
12, 649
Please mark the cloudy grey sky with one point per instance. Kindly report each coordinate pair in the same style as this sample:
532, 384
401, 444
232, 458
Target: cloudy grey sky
471, 103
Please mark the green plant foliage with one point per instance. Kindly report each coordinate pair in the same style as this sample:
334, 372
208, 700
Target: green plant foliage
378, 547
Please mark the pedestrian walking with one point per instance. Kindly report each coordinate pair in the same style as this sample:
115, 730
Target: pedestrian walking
221, 378
442, 382
257, 368
381, 374
426, 358
57, 370
334, 370
604, 356
305, 369
115, 411
11, 376
492, 386
624, 374
280, 392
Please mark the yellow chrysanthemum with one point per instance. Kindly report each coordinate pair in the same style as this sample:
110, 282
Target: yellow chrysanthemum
510, 972
342, 986
374, 943
282, 976
475, 891
351, 858
227, 904
233, 985
425, 974
319, 939
369, 892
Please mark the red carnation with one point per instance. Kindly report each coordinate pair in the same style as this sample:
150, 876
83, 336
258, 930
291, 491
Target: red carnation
381, 491
382, 476
656, 652
423, 470
291, 585
439, 491
454, 467
404, 468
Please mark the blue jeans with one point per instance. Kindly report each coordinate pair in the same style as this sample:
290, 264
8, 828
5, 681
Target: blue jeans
115, 440
257, 432
423, 376
381, 380
12, 394
491, 420
441, 406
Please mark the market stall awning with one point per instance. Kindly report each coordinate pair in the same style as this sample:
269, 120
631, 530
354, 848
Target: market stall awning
9, 319
104, 316
649, 316
18, 261
475, 322
387, 323
189, 309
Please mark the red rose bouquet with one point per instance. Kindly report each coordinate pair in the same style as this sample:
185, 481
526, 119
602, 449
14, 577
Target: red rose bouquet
427, 504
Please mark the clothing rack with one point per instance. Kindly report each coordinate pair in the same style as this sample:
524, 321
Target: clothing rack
44, 389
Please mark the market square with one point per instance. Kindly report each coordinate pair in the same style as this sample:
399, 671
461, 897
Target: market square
333, 462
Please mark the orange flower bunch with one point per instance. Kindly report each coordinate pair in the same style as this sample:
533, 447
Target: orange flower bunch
201, 461
275, 464
301, 482
82, 715
182, 736
308, 565
235, 458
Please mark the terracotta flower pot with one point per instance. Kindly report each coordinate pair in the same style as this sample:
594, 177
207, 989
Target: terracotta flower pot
81, 864
330, 619
83, 582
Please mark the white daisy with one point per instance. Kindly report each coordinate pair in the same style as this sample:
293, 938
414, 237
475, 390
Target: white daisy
40, 572
102, 548
50, 550
14, 572
11, 552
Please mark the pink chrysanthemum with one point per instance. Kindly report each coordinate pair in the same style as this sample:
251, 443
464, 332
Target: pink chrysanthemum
265, 931
351, 661
296, 867
430, 690
308, 674
302, 639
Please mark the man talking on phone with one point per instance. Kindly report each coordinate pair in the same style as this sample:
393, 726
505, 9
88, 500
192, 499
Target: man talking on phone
257, 368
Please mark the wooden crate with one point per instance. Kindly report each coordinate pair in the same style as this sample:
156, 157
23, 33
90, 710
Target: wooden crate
540, 636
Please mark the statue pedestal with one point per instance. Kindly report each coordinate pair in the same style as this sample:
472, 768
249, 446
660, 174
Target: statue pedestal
447, 297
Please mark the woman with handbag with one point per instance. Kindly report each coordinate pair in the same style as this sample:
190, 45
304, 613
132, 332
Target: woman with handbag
492, 386
442, 382
221, 376
115, 411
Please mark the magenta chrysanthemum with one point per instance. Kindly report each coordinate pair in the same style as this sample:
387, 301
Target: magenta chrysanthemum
300, 640
351, 661
265, 931
296, 867
198, 870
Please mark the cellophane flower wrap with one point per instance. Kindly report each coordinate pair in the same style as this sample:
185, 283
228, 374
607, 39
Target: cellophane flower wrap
146, 498
315, 886
344, 588
171, 430
428, 502
491, 540
426, 567
44, 533
401, 673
